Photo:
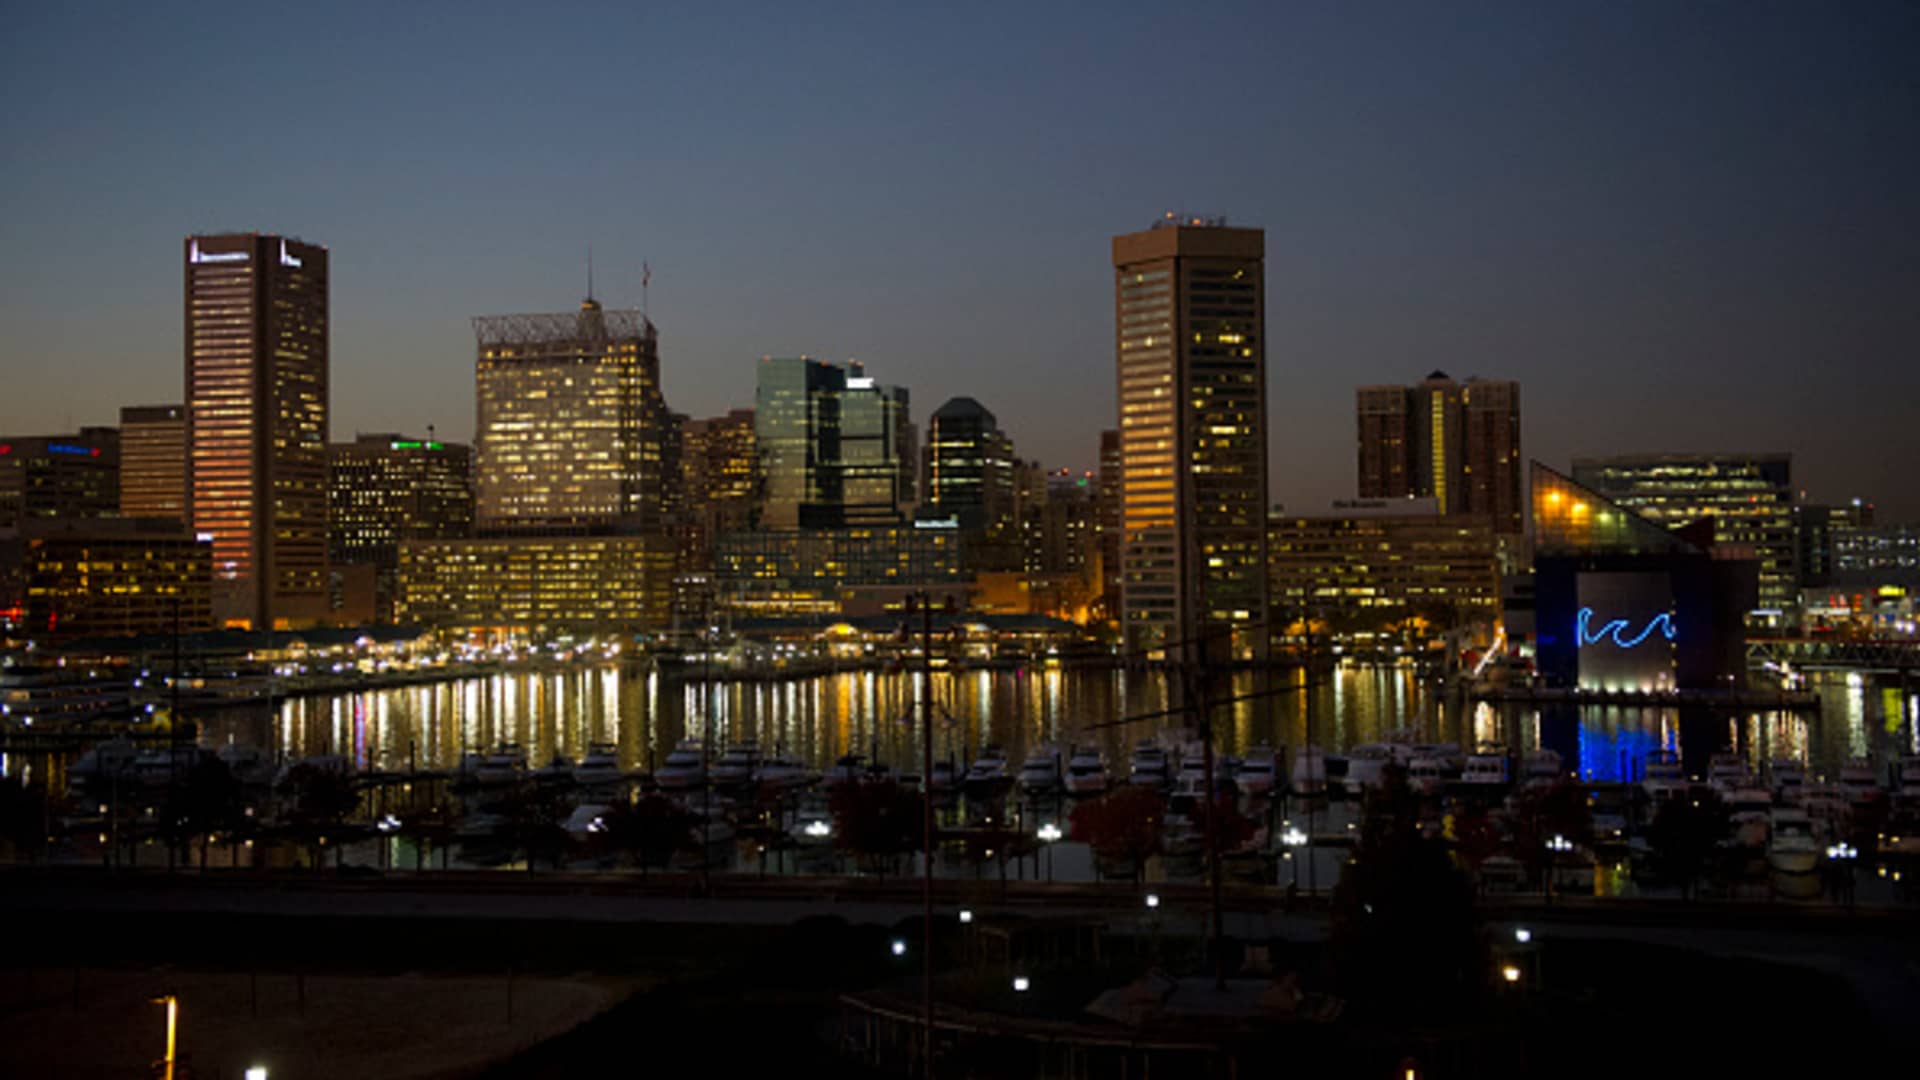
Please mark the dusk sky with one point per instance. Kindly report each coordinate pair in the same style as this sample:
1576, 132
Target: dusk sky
1679, 226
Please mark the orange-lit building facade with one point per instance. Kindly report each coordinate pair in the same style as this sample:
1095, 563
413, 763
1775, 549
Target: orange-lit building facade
1190, 331
256, 347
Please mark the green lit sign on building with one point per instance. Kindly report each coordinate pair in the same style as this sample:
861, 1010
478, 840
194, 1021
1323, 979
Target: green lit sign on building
411, 445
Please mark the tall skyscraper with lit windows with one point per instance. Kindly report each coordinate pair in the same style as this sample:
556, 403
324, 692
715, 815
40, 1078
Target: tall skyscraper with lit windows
1190, 326
1456, 443
571, 425
256, 398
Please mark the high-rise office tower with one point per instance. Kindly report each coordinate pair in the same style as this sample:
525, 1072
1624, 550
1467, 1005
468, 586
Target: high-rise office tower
153, 462
1747, 497
970, 468
46, 477
1490, 425
383, 490
717, 464
1386, 431
256, 382
571, 422
796, 421
1109, 498
876, 447
1190, 323
1456, 443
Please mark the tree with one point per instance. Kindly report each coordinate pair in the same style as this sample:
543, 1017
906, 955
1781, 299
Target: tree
1685, 834
1124, 825
1558, 809
1476, 838
208, 801
1404, 931
320, 799
534, 822
878, 822
649, 830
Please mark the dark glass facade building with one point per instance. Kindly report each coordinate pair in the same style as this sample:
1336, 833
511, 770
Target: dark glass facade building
1748, 498
59, 477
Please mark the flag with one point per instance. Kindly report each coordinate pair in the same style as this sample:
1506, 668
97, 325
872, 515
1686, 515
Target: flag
646, 275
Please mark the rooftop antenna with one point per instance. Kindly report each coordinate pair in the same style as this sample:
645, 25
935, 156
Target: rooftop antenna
589, 271
646, 278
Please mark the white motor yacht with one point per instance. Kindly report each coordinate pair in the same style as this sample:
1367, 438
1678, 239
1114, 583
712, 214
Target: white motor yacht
1426, 775
1149, 765
1309, 773
847, 769
505, 765
1750, 811
1086, 772
989, 768
1259, 772
1858, 781
331, 763
1788, 777
1485, 771
587, 819
555, 772
600, 767
684, 769
736, 765
1828, 807
1663, 778
1365, 764
1791, 847
1728, 773
1040, 773
246, 762
781, 771
161, 766
101, 764
1542, 767
943, 779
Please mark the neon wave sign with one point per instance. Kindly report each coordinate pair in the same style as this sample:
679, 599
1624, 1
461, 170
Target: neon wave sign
1615, 630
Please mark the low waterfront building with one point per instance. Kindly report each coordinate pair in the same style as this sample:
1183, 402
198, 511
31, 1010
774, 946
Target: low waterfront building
814, 571
518, 584
105, 577
1373, 563
1622, 604
59, 476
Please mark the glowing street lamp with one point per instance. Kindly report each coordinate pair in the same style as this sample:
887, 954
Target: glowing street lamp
173, 1023
257, 1072
1522, 935
1021, 984
966, 915
1153, 900
899, 947
1510, 973
1050, 833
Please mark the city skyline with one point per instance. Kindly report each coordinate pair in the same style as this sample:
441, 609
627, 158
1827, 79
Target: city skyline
1743, 247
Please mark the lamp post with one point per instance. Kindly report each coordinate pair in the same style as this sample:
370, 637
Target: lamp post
922, 603
1049, 834
173, 1023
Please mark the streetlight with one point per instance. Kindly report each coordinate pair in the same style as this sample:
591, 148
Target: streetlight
1510, 973
173, 1022
1021, 984
966, 916
1294, 838
899, 947
1049, 834
257, 1072
1153, 900
1522, 935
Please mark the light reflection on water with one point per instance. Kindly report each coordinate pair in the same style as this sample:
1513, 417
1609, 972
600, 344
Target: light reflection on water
876, 714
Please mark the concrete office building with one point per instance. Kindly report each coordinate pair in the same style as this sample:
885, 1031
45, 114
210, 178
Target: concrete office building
571, 424
1457, 443
153, 461
59, 477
